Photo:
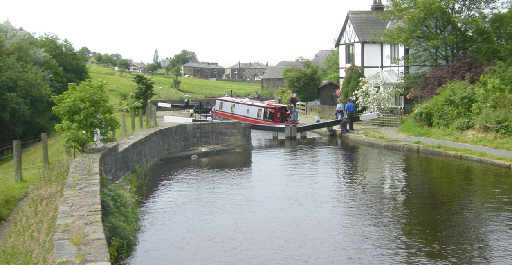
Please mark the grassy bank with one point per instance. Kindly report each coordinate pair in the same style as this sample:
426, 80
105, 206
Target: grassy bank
28, 238
119, 203
10, 191
118, 82
475, 137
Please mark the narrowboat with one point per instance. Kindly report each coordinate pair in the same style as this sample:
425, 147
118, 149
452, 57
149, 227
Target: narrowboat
252, 111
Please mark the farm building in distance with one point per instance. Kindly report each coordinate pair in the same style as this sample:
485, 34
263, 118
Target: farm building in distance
203, 70
245, 71
273, 77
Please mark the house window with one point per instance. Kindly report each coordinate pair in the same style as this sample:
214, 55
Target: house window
395, 55
349, 54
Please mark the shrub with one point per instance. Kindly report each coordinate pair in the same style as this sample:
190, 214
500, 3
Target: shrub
351, 82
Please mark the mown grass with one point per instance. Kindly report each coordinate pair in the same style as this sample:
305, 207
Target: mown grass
413, 128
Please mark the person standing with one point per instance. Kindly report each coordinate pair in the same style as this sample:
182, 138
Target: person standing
293, 105
340, 116
350, 109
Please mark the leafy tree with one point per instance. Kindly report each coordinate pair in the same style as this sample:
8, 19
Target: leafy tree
303, 81
124, 64
72, 63
24, 97
436, 31
331, 70
182, 58
85, 51
153, 67
144, 90
83, 109
176, 74
351, 82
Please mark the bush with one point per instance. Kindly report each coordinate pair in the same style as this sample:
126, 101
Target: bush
283, 94
351, 82
484, 105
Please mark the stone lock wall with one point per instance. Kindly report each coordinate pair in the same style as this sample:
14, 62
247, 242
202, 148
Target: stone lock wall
79, 236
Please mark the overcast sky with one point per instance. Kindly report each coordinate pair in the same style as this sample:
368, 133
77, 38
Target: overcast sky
223, 31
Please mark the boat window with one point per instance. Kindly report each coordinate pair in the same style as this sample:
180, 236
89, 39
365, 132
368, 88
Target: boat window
233, 107
269, 115
247, 111
258, 116
221, 105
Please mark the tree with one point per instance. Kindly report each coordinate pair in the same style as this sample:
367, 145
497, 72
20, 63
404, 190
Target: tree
182, 58
153, 67
85, 51
83, 109
331, 70
436, 31
144, 90
72, 64
303, 81
176, 74
124, 64
351, 82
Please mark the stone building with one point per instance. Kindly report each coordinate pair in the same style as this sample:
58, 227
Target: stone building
245, 71
273, 77
203, 70
321, 57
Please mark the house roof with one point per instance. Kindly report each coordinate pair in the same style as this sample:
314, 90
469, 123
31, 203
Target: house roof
321, 56
249, 65
367, 25
203, 65
278, 70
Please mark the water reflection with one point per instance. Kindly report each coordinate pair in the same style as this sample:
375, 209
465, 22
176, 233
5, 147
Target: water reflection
323, 201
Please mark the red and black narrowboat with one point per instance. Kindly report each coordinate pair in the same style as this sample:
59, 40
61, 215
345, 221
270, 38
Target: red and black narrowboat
252, 111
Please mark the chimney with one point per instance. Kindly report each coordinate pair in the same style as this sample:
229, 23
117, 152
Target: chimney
377, 6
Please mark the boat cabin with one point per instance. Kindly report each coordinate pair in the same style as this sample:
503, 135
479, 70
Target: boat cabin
251, 111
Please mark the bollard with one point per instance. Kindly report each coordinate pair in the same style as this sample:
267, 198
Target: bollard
132, 120
141, 120
123, 124
16, 155
46, 161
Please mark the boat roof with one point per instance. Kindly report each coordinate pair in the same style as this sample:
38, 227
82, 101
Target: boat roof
248, 101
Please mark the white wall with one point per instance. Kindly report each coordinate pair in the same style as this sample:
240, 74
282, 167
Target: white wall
342, 58
372, 54
357, 52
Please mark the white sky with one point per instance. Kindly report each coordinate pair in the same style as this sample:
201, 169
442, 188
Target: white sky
223, 31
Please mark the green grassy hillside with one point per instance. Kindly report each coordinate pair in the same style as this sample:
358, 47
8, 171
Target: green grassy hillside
118, 82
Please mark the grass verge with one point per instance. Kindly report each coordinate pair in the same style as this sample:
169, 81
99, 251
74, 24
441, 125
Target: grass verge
411, 127
120, 202
28, 238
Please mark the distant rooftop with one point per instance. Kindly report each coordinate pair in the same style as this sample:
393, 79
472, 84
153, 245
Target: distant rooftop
249, 65
278, 70
321, 56
203, 65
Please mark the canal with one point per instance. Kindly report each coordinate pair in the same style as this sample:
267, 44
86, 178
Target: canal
325, 202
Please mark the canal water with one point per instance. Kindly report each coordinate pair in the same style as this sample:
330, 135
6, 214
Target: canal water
325, 202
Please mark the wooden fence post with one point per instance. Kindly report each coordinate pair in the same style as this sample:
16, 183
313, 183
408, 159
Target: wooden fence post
148, 114
132, 120
46, 161
16, 155
154, 116
123, 124
141, 120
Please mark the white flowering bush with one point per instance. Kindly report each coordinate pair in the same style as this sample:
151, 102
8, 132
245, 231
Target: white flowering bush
374, 95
